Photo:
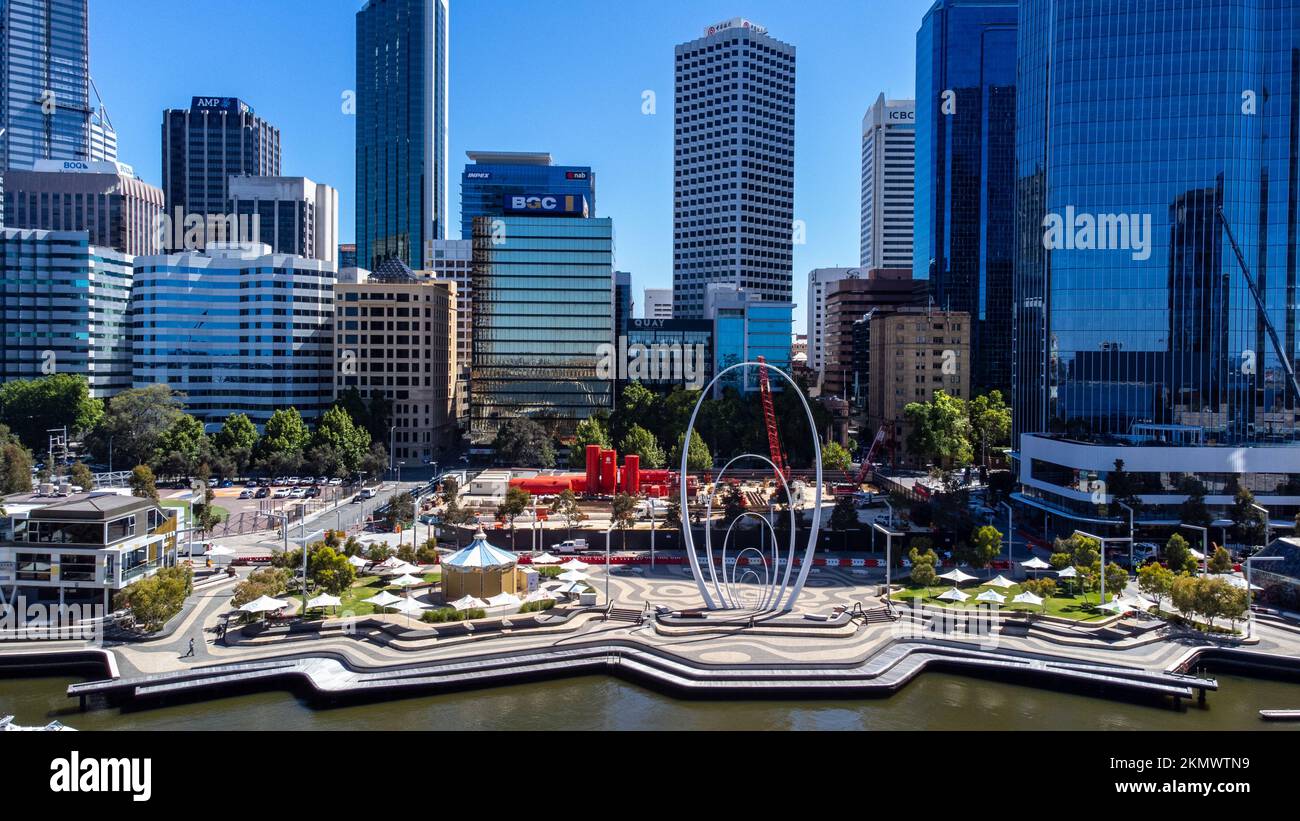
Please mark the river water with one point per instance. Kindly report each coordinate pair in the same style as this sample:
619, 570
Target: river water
932, 701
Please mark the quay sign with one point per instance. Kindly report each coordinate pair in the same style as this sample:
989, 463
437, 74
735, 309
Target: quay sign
572, 205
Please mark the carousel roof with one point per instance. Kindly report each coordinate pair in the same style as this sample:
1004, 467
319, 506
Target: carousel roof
481, 556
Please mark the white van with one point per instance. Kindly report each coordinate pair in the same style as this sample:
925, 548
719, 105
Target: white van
570, 547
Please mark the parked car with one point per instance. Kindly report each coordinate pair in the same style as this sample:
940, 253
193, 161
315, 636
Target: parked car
213, 482
228, 483
281, 493
335, 482
312, 492
262, 493
245, 494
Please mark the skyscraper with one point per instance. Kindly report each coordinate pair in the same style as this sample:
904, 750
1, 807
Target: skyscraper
495, 175
733, 191
819, 282
888, 177
295, 215
401, 206
965, 172
1138, 336
203, 146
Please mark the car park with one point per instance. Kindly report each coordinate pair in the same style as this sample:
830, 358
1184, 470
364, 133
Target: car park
335, 482
262, 493
311, 492
281, 493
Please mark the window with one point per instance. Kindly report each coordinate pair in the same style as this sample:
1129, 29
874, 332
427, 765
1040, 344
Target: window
74, 567
33, 567
119, 529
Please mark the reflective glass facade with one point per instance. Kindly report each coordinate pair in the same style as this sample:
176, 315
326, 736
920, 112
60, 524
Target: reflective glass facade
965, 172
543, 307
1152, 115
401, 205
486, 182
44, 81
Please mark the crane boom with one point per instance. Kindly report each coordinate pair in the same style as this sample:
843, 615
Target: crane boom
769, 417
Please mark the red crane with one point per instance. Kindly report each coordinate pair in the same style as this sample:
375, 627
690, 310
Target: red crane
769, 416
880, 439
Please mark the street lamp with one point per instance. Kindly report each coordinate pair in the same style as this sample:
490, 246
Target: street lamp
889, 552
1268, 531
1103, 540
1130, 534
1250, 594
608, 531
1205, 543
1010, 534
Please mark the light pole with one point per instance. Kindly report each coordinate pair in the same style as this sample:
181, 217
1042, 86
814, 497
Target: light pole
608, 531
1130, 535
889, 553
1250, 593
392, 432
1205, 543
1103, 540
651, 509
1010, 535
1268, 526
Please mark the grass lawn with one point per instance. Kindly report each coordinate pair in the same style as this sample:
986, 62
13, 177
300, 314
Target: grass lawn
365, 587
1066, 607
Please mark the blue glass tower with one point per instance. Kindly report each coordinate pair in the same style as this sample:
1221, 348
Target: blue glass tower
965, 172
494, 175
1151, 135
401, 130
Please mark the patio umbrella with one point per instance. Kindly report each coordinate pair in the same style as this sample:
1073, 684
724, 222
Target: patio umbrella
1115, 606
572, 587
1067, 573
405, 580
408, 608
546, 558
574, 564
1035, 564
540, 595
383, 599
265, 604
402, 569
324, 600
505, 600
956, 576
468, 603
991, 596
357, 562
1137, 603
390, 562
573, 576
1028, 598
1002, 582
953, 595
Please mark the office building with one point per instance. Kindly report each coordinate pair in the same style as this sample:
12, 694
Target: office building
745, 327
492, 177
107, 200
733, 165
237, 329
543, 309
915, 351
347, 255
664, 354
295, 216
658, 303
453, 259
888, 183
203, 146
81, 549
819, 280
64, 308
623, 303
103, 139
394, 338
847, 300
402, 109
965, 172
1140, 339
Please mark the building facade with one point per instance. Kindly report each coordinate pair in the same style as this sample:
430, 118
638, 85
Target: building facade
745, 327
64, 308
888, 180
237, 330
1137, 332
117, 209
394, 337
493, 176
733, 163
914, 353
819, 281
623, 303
543, 315
664, 354
847, 301
453, 259
203, 146
295, 216
658, 304
965, 171
402, 111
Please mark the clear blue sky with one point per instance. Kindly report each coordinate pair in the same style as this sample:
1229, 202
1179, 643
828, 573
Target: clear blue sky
564, 76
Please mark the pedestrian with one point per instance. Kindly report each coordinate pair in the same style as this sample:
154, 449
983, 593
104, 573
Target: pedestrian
189, 652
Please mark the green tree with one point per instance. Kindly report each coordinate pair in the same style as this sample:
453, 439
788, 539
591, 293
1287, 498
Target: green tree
181, 447
15, 468
835, 457
516, 502
285, 435
143, 484
400, 510
844, 518
1178, 555
1193, 510
134, 424
623, 514
990, 422
566, 506
81, 476
1116, 580
941, 430
1157, 581
637, 407
590, 432
985, 545
1123, 489
1186, 596
207, 516
1248, 524
697, 459
641, 442
1220, 560
338, 432
153, 601
329, 569
521, 442
236, 440
30, 407
924, 567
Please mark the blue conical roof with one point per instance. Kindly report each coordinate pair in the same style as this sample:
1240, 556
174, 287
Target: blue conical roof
481, 556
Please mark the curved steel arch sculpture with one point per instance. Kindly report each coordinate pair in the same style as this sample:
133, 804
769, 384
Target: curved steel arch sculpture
783, 599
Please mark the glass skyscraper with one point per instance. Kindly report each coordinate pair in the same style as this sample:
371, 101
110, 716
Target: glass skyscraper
1151, 134
733, 162
494, 175
543, 309
965, 172
401, 205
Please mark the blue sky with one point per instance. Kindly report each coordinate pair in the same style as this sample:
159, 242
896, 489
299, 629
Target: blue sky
564, 76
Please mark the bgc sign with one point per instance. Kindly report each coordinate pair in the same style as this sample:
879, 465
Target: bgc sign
565, 205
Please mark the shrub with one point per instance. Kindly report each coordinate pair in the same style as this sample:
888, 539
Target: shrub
155, 600
536, 606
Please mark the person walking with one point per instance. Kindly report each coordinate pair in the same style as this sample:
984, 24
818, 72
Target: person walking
190, 652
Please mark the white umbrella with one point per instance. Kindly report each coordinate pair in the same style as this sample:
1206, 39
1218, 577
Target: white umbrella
325, 600
357, 562
1002, 582
265, 604
1028, 598
383, 599
540, 595
991, 596
546, 558
572, 587
1115, 606
505, 599
390, 562
573, 576
574, 564
467, 603
956, 576
220, 551
409, 607
1067, 573
1137, 603
402, 569
1035, 564
953, 595
405, 580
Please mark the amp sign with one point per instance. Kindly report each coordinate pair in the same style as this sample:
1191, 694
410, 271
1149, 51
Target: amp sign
569, 205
